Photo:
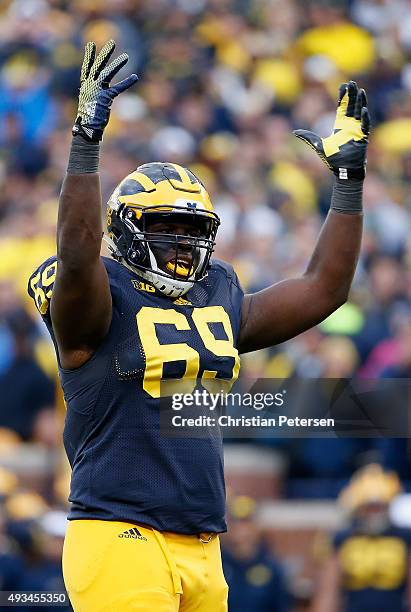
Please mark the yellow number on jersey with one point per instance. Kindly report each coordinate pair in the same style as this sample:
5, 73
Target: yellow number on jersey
222, 348
379, 563
158, 354
42, 286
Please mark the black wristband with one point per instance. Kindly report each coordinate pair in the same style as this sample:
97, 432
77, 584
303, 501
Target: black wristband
84, 156
347, 196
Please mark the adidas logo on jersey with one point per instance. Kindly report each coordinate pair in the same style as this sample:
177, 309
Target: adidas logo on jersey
132, 533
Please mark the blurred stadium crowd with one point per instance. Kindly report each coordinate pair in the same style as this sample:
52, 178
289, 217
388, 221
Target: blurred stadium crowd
222, 85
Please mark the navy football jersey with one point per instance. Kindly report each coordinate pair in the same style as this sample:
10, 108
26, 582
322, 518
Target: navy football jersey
374, 569
123, 466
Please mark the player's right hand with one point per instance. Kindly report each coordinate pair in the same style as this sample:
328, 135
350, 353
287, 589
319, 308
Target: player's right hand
96, 95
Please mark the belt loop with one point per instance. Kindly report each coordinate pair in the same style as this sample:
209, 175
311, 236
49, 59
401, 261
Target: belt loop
205, 538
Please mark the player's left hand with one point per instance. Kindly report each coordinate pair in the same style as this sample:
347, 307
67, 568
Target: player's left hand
345, 150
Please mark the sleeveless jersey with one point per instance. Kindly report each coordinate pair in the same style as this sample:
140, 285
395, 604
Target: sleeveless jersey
123, 467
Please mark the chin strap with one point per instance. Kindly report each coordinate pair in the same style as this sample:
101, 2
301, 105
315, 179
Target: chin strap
112, 247
160, 283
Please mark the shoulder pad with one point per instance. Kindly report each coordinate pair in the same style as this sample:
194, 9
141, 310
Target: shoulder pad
225, 268
112, 266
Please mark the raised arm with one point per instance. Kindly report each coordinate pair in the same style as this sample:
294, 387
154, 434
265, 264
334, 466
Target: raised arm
288, 308
81, 301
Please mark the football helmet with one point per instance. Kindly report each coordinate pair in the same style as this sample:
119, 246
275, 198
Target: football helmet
370, 485
142, 213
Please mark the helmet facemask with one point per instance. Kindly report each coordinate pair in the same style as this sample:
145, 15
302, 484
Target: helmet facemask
171, 262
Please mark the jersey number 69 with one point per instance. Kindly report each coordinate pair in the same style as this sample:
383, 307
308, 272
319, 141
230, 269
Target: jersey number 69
157, 354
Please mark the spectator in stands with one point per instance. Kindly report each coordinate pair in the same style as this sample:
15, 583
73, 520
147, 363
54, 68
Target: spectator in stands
44, 572
11, 564
25, 390
255, 578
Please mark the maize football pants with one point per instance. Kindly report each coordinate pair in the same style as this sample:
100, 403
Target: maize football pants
112, 566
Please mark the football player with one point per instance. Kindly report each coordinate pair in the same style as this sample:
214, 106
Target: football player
146, 509
369, 568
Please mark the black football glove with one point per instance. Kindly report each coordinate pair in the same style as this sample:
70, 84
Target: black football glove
96, 96
345, 151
